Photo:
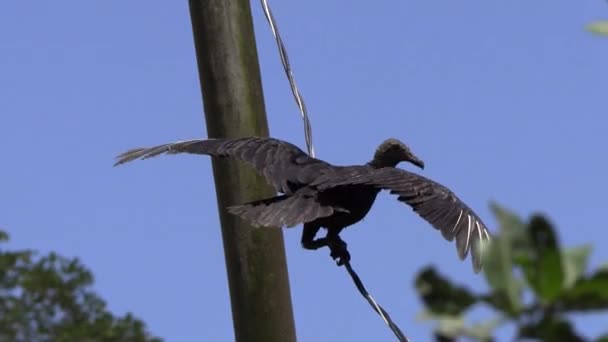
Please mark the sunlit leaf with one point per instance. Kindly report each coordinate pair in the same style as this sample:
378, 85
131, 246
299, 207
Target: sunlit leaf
483, 331
599, 27
507, 219
447, 325
441, 296
575, 263
498, 271
513, 228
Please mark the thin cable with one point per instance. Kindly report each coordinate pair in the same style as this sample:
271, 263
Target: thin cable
379, 310
292, 82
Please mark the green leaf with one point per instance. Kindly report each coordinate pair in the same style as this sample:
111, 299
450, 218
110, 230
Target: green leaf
598, 27
44, 298
500, 253
499, 300
543, 266
441, 296
589, 293
3, 236
550, 329
498, 271
442, 338
575, 264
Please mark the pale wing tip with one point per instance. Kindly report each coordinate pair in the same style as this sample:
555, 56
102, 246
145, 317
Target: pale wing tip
481, 238
145, 153
129, 155
465, 234
470, 239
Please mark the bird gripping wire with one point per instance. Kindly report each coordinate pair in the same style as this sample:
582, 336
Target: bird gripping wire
311, 151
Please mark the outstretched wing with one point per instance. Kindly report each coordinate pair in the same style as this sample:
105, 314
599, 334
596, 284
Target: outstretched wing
285, 166
432, 201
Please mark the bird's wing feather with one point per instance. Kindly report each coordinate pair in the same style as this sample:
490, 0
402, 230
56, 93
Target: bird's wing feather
284, 211
280, 162
432, 201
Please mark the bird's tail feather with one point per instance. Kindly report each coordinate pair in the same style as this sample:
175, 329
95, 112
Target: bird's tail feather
281, 211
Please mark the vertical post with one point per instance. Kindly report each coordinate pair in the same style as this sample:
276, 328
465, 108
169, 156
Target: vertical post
234, 107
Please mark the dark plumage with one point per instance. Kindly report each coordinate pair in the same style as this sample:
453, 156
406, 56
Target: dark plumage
321, 195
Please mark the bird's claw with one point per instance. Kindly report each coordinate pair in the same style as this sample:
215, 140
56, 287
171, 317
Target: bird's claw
340, 253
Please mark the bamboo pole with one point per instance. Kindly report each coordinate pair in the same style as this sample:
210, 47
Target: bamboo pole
234, 107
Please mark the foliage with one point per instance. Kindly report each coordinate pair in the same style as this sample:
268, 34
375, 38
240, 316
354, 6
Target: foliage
534, 285
49, 298
598, 27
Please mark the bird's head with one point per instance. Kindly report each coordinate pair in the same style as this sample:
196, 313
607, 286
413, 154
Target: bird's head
391, 152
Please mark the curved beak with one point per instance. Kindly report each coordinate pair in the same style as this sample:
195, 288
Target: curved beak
416, 161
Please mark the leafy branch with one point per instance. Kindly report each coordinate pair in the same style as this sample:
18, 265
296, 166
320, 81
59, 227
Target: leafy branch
524, 261
49, 298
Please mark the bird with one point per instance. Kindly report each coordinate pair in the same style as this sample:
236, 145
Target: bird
318, 194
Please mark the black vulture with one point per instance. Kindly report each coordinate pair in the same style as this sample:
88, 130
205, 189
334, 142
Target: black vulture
322, 195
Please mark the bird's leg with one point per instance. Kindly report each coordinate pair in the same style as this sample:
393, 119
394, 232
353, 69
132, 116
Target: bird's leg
308, 237
337, 246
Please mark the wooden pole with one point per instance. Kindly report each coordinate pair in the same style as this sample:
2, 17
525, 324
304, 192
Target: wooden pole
234, 107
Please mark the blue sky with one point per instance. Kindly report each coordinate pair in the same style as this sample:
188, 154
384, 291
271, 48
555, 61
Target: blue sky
503, 100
